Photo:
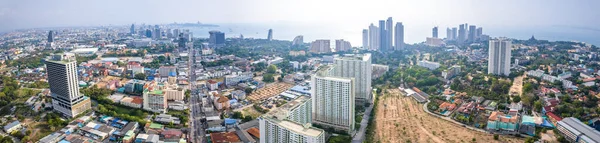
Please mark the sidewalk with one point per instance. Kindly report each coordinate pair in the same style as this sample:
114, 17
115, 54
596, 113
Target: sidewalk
359, 137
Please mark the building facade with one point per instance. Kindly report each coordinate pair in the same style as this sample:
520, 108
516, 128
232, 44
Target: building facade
365, 39
360, 68
155, 101
320, 46
62, 77
399, 36
333, 100
499, 56
575, 131
373, 37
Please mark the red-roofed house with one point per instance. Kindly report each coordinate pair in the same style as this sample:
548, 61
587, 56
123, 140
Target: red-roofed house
226, 137
171, 135
553, 117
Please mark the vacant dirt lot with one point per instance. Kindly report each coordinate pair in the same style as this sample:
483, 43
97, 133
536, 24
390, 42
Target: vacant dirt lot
269, 91
402, 119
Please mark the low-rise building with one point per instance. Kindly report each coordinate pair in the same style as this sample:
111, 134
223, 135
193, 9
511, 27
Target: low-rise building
13, 126
167, 119
575, 131
134, 101
429, 65
500, 121
96, 131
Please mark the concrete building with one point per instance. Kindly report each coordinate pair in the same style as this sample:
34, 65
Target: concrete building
62, 77
232, 80
155, 100
429, 65
389, 31
290, 123
365, 39
165, 71
298, 40
434, 32
320, 46
373, 37
472, 33
499, 56
462, 34
575, 131
270, 35
399, 36
454, 33
382, 36
360, 68
448, 33
333, 100
13, 126
341, 45
216, 38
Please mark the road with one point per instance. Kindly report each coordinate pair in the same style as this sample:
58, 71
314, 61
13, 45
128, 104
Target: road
196, 128
360, 135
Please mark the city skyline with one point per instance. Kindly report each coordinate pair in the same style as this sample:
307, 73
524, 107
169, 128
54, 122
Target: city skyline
524, 15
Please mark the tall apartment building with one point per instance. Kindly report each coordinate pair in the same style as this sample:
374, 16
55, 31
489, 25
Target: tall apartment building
399, 36
454, 33
448, 33
389, 25
155, 100
341, 45
382, 36
298, 40
62, 77
320, 46
365, 39
216, 38
290, 123
333, 100
575, 131
373, 37
499, 56
359, 67
462, 34
434, 32
270, 35
472, 33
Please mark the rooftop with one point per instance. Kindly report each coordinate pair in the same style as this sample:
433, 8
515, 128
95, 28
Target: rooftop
282, 112
296, 127
574, 124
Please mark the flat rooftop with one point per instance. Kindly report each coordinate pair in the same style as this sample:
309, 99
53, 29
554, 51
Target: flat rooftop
296, 127
282, 112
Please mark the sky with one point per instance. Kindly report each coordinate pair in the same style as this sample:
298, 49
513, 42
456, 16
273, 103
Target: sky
418, 16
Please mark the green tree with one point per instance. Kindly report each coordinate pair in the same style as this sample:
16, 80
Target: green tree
140, 76
248, 90
268, 78
537, 105
272, 69
516, 99
237, 115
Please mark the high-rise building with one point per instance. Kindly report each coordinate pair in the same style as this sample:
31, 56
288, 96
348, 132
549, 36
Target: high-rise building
148, 33
176, 32
399, 36
435, 32
382, 36
132, 29
298, 40
341, 45
479, 33
216, 38
454, 33
333, 100
357, 66
472, 33
462, 34
290, 123
365, 39
64, 86
320, 46
154, 100
390, 32
50, 36
448, 33
270, 36
373, 37
499, 56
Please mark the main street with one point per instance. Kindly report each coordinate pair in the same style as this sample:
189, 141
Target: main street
196, 128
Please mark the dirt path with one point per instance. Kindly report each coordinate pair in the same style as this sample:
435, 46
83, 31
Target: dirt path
517, 85
402, 119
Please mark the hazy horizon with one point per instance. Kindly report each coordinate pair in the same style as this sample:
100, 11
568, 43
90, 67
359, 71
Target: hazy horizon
343, 18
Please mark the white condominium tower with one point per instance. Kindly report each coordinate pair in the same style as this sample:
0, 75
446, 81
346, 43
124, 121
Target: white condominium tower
499, 56
373, 37
357, 66
333, 100
62, 77
290, 123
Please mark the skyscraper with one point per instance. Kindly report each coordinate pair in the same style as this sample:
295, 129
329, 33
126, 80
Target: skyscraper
132, 29
399, 36
270, 36
216, 38
62, 77
357, 66
499, 56
333, 100
472, 33
289, 123
298, 40
148, 33
50, 36
448, 33
341, 45
320, 46
462, 34
365, 39
479, 33
435, 32
454, 33
374, 37
382, 36
389, 29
